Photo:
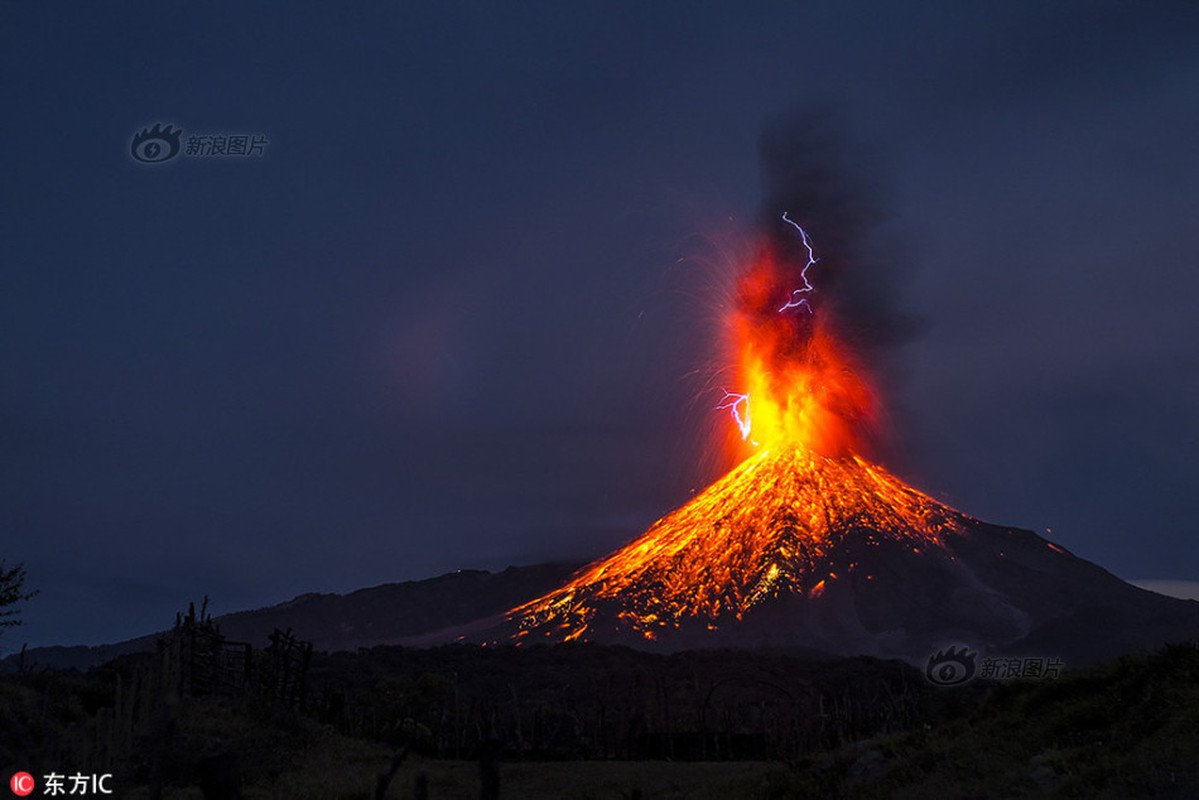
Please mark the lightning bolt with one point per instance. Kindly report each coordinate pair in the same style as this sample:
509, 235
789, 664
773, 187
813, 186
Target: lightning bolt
795, 301
738, 406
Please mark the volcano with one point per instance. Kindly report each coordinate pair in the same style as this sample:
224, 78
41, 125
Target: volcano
808, 543
838, 555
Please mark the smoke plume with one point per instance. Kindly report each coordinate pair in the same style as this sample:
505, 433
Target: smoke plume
834, 187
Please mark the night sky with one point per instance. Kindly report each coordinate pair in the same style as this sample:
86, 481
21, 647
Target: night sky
461, 312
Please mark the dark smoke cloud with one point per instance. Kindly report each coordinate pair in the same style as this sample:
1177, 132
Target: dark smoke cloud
834, 187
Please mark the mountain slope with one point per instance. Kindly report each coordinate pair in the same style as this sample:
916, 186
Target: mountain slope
836, 554
393, 612
385, 614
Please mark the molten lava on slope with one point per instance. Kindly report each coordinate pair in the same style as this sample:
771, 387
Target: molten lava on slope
769, 528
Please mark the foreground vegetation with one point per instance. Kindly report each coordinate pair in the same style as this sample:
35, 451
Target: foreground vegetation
587, 722
1123, 730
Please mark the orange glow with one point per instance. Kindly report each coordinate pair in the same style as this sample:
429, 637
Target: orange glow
762, 530
771, 525
805, 388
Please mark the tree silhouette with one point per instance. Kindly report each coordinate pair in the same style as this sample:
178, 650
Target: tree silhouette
12, 593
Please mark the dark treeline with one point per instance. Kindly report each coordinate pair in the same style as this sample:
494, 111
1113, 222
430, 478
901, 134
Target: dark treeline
594, 702
217, 715
208, 712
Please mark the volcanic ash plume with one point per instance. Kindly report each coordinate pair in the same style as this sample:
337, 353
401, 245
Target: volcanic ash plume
832, 186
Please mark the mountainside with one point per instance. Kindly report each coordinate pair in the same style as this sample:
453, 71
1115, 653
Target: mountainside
395, 612
388, 614
837, 554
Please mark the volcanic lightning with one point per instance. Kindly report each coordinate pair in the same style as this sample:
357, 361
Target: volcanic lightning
779, 523
795, 301
801, 384
738, 406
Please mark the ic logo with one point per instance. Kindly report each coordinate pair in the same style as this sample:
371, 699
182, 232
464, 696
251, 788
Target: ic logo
156, 145
22, 784
950, 667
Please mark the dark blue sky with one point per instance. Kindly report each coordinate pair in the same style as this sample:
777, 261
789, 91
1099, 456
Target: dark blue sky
448, 319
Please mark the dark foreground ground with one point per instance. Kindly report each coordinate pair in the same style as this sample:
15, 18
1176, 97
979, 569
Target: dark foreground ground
593, 722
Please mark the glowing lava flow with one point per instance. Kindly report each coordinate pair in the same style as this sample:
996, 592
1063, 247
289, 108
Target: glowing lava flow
766, 529
781, 522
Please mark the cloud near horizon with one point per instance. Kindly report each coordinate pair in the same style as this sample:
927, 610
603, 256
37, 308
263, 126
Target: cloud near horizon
1183, 590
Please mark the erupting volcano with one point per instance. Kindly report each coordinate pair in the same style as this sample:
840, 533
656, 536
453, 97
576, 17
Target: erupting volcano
809, 543
801, 512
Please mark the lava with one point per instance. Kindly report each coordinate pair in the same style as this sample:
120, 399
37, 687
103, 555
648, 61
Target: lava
764, 529
805, 413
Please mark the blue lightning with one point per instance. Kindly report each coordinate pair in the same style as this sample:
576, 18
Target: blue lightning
738, 406
795, 301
